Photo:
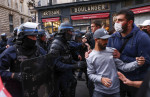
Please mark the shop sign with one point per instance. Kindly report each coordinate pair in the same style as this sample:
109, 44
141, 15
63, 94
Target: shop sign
51, 19
51, 12
90, 16
90, 8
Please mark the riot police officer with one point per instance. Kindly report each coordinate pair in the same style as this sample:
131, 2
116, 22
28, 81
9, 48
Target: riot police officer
11, 58
65, 83
41, 39
3, 42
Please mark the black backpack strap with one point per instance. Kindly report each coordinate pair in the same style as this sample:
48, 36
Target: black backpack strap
124, 44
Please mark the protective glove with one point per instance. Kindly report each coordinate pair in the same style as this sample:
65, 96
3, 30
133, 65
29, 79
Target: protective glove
22, 76
80, 65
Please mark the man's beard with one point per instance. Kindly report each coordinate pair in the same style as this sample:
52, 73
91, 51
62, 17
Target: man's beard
102, 47
125, 28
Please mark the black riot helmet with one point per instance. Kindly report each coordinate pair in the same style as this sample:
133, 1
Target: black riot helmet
41, 32
3, 36
15, 31
26, 29
66, 30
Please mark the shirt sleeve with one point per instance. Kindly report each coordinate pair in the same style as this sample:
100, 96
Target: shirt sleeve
92, 73
126, 67
6, 60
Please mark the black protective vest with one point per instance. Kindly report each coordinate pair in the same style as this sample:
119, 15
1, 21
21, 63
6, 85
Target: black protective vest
60, 48
20, 58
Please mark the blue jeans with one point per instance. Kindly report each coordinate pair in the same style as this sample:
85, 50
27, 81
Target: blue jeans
99, 94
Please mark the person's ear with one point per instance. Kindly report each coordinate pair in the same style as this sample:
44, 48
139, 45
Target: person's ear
130, 23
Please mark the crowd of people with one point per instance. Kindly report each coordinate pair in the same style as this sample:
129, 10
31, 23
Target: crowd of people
104, 57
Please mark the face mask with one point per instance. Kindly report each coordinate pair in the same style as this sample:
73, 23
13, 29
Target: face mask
29, 43
68, 36
118, 27
145, 30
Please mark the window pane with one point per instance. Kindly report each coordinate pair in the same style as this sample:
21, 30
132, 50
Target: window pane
11, 28
22, 20
10, 18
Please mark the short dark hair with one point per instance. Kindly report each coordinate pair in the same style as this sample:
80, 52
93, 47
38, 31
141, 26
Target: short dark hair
129, 15
97, 23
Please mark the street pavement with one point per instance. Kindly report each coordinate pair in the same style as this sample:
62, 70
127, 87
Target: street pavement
81, 89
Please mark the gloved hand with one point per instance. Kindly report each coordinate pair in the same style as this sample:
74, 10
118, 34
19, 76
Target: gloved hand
80, 65
22, 76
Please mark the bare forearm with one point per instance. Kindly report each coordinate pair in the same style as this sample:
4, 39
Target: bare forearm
136, 84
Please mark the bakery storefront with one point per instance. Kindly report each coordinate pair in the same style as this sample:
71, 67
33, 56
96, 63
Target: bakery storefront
81, 21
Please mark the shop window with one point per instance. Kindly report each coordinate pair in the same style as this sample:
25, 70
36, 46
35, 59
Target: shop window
11, 23
104, 22
81, 24
52, 26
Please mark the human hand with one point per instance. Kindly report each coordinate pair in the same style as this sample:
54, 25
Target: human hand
84, 40
140, 60
88, 46
7, 46
106, 81
116, 54
79, 57
87, 53
124, 79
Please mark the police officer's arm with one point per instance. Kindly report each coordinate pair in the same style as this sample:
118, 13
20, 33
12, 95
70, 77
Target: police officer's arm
56, 51
2, 48
6, 60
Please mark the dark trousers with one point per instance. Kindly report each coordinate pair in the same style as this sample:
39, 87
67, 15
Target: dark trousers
99, 94
90, 87
127, 90
67, 88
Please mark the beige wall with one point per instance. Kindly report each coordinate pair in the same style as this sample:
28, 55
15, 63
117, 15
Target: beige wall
14, 10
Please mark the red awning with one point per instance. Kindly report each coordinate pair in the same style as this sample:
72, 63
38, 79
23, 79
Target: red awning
90, 16
51, 19
141, 9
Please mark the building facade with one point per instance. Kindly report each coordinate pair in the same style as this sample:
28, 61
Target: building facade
80, 13
12, 14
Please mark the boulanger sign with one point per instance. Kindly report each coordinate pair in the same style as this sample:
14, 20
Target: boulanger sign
90, 8
51, 12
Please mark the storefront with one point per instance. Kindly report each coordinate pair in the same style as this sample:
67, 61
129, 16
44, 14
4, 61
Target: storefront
80, 15
52, 23
81, 22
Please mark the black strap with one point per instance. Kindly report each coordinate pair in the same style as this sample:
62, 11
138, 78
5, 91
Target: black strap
123, 46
